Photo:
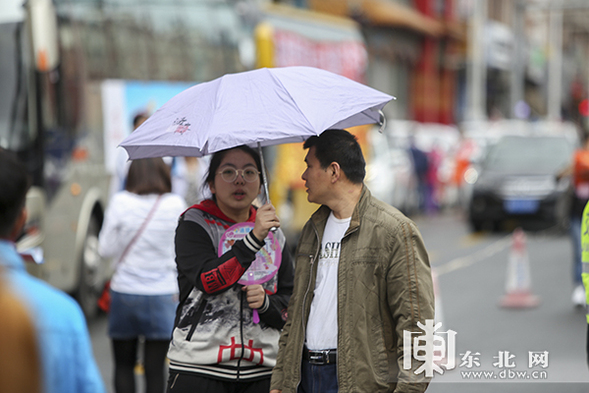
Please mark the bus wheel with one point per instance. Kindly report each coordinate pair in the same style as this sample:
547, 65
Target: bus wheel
91, 281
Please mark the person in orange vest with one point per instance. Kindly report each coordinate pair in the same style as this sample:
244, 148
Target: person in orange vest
579, 170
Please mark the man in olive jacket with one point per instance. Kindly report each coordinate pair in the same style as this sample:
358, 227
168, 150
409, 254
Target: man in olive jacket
362, 278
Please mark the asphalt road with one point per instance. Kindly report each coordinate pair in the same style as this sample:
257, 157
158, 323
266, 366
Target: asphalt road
472, 273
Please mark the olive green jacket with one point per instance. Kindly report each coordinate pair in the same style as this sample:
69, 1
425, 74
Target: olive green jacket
384, 287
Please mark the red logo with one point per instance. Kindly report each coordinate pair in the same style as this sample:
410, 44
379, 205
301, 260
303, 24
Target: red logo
249, 353
181, 130
180, 126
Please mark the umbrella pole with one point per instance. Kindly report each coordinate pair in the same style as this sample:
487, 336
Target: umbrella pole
264, 177
382, 122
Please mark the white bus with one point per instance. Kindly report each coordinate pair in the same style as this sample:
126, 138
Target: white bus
55, 57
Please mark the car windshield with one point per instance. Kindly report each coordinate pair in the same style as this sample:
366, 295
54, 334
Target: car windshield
529, 155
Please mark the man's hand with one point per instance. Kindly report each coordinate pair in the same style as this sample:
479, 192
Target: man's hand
255, 295
275, 391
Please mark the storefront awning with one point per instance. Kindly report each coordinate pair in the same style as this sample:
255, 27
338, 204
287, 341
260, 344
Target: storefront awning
314, 25
390, 14
289, 36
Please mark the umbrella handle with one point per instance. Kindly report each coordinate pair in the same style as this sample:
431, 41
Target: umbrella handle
265, 179
382, 121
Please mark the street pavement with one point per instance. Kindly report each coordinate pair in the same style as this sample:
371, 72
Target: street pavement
472, 273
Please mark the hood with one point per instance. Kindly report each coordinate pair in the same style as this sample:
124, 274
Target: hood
209, 206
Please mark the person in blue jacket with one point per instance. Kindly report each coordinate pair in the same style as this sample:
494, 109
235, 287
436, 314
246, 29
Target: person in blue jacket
67, 362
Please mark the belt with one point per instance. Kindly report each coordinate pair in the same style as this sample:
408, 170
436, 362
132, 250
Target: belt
323, 357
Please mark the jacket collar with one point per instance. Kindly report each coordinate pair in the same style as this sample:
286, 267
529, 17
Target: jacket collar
319, 218
209, 206
360, 208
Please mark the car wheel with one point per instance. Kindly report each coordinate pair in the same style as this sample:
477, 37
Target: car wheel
476, 225
496, 226
91, 278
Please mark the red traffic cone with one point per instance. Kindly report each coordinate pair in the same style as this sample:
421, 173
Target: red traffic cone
518, 286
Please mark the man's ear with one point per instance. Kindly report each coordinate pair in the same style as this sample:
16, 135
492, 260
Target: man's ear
19, 224
335, 171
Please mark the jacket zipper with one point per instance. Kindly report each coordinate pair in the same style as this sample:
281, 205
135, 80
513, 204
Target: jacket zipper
196, 319
241, 334
337, 353
312, 259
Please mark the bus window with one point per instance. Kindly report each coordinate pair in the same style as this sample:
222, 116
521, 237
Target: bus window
14, 133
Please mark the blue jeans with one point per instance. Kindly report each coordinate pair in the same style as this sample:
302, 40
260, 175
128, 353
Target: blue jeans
575, 230
131, 316
318, 379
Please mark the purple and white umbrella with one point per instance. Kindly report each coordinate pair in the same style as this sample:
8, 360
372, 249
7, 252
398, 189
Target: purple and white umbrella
264, 107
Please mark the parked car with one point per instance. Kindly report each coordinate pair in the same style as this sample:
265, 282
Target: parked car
517, 180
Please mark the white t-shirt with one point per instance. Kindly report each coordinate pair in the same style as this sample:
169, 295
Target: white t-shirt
149, 267
322, 324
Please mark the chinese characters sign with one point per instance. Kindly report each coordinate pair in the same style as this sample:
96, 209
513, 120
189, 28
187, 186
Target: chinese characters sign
436, 352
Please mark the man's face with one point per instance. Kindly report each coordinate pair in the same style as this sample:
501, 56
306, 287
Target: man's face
317, 180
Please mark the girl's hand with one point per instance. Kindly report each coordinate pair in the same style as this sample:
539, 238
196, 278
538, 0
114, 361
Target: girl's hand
266, 218
255, 295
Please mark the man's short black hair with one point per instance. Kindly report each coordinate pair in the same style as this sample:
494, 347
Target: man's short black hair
14, 183
342, 147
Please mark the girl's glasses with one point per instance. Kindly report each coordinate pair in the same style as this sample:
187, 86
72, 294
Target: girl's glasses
230, 174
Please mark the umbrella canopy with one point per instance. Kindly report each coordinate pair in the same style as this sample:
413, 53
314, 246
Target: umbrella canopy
264, 107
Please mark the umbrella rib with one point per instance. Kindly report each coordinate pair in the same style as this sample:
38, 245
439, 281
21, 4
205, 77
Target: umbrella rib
293, 100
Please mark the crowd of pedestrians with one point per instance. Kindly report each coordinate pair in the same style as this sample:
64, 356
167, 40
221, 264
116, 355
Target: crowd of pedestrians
332, 317
362, 278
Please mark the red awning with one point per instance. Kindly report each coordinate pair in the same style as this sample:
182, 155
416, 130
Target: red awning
392, 14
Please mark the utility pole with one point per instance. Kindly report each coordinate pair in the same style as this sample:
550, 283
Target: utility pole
477, 70
555, 10
518, 65
555, 28
555, 64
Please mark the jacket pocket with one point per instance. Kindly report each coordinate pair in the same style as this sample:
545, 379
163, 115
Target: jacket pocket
379, 354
